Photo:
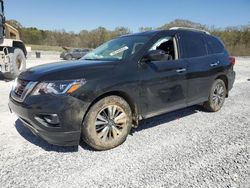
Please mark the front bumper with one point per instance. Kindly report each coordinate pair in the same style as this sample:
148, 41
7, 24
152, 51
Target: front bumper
69, 110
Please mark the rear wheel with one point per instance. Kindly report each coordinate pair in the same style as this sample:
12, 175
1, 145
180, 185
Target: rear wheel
217, 96
107, 123
17, 64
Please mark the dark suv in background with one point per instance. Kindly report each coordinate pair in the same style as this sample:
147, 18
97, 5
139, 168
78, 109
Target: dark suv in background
75, 53
102, 96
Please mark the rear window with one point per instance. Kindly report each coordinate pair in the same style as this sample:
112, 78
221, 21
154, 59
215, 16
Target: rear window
214, 45
194, 45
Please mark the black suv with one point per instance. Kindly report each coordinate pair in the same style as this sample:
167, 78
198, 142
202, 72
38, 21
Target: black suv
102, 96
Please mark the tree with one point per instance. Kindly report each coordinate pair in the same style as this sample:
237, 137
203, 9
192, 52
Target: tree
183, 23
14, 24
236, 39
141, 29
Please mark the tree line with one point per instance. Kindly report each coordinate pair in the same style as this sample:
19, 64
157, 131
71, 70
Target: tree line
236, 39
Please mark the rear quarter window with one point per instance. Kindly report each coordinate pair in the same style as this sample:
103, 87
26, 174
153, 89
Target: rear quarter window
194, 45
214, 45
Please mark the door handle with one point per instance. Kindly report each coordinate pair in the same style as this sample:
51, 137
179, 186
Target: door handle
181, 70
214, 64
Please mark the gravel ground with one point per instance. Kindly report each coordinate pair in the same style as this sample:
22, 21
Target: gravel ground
185, 148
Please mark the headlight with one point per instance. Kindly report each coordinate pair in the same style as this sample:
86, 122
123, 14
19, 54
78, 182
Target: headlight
58, 87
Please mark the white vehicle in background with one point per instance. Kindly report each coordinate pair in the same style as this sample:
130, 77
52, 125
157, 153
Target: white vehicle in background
12, 50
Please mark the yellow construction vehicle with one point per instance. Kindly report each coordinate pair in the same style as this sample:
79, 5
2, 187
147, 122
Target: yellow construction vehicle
12, 50
11, 32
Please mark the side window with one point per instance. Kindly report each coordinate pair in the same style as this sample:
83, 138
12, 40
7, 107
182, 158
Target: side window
214, 45
168, 45
194, 45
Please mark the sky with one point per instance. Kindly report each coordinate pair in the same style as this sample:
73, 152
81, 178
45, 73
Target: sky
76, 15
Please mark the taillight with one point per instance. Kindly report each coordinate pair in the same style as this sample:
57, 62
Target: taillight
232, 60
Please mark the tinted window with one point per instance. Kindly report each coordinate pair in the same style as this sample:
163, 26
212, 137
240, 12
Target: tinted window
214, 45
194, 45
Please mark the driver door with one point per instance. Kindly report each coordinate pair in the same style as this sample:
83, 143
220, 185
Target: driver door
163, 84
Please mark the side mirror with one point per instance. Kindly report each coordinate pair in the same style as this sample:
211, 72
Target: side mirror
155, 55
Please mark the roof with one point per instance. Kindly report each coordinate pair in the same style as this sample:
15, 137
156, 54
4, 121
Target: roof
144, 33
171, 30
189, 29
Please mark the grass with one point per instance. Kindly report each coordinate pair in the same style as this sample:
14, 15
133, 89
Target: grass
45, 48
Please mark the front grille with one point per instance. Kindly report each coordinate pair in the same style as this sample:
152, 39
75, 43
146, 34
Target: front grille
21, 89
20, 86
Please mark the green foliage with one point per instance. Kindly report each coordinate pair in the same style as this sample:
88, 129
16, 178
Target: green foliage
45, 48
183, 23
236, 39
85, 39
32, 35
142, 29
14, 23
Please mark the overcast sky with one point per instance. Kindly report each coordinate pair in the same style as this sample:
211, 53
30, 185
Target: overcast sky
75, 15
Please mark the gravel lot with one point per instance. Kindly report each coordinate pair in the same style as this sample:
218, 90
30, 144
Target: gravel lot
185, 148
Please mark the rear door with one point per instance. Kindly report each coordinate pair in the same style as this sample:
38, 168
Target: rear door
199, 64
217, 49
163, 83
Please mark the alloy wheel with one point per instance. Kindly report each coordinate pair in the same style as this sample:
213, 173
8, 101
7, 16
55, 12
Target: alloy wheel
218, 95
110, 123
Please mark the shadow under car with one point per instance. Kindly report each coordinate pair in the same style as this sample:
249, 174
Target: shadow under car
144, 124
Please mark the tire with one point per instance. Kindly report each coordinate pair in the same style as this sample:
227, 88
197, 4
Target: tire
107, 124
17, 64
68, 57
217, 96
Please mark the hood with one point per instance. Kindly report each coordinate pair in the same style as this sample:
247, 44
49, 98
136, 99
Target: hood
66, 70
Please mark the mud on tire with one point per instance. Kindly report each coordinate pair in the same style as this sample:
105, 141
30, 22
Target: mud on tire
217, 96
107, 124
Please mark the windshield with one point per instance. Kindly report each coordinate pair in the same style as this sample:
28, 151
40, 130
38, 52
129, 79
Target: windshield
117, 49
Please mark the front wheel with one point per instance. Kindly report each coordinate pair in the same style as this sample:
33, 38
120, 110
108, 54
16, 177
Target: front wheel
107, 123
217, 96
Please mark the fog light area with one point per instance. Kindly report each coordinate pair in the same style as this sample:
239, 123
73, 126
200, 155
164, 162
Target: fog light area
48, 120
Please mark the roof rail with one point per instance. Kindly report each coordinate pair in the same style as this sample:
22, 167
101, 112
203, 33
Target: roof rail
190, 29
